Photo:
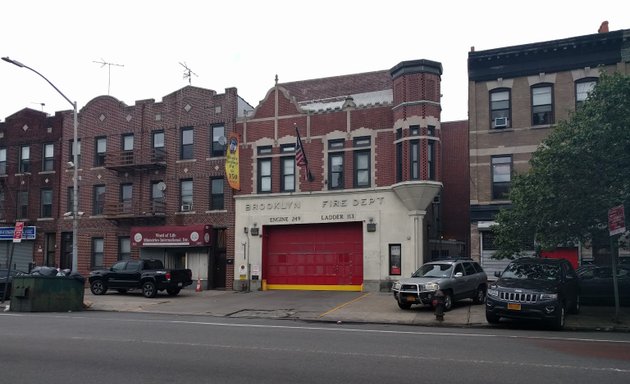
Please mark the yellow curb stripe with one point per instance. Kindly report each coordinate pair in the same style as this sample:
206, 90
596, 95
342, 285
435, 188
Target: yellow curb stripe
343, 305
313, 287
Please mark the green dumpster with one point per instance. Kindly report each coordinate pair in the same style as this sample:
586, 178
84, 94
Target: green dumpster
32, 293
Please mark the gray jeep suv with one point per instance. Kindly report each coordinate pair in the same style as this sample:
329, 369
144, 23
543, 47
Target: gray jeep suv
457, 279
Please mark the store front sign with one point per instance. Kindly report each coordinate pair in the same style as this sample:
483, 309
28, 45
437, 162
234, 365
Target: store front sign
28, 233
172, 236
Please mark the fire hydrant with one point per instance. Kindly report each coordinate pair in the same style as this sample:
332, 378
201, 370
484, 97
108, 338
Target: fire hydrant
438, 304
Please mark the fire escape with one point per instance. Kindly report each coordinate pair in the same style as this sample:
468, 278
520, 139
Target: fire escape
137, 164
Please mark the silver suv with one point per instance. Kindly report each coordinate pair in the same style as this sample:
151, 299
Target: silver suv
457, 279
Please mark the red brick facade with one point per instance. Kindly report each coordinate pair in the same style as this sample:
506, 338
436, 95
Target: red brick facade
32, 129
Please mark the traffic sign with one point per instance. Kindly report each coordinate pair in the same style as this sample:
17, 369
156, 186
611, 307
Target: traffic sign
17, 234
616, 220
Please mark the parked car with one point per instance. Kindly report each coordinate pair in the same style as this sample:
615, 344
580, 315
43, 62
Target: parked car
4, 285
596, 284
533, 288
149, 275
457, 279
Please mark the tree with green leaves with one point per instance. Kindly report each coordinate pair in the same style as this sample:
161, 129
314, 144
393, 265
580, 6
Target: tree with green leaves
579, 172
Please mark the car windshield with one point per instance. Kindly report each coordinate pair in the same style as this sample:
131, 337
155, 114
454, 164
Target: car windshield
434, 270
532, 271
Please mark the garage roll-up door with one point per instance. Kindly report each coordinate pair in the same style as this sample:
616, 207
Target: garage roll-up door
313, 256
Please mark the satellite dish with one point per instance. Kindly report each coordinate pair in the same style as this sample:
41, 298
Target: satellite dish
161, 186
222, 140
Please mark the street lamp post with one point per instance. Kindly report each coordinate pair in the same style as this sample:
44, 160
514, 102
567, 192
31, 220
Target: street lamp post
75, 160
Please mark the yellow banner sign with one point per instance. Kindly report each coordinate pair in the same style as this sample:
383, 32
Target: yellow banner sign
231, 161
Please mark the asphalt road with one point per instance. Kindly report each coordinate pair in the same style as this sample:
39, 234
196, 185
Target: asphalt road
104, 347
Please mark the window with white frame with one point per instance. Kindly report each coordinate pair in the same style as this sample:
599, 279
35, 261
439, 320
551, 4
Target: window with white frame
126, 197
414, 159
336, 157
187, 141
101, 149
98, 200
157, 142
500, 109
542, 104
287, 174
157, 196
25, 159
46, 202
217, 198
583, 88
362, 161
124, 248
264, 175
22, 205
48, 160
186, 195
431, 160
98, 251
501, 176
218, 141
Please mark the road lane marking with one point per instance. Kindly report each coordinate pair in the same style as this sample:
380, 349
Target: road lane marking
379, 356
343, 305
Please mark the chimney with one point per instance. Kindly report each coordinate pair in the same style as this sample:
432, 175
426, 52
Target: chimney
603, 28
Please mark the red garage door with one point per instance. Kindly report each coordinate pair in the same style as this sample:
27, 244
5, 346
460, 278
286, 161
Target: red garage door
313, 257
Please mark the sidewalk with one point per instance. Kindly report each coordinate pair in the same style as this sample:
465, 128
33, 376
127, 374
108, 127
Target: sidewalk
353, 307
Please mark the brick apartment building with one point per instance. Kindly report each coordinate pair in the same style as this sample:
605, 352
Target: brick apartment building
30, 147
361, 212
151, 183
516, 96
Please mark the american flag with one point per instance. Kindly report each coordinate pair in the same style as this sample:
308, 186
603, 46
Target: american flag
300, 157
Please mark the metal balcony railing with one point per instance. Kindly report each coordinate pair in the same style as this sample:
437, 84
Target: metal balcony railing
136, 160
135, 209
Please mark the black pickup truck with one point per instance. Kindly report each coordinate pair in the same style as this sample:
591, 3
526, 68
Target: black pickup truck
148, 275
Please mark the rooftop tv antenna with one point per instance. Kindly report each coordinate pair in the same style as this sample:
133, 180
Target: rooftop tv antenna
40, 104
188, 73
109, 69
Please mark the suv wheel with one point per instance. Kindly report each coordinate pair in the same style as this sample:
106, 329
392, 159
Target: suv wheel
403, 305
98, 287
448, 301
149, 289
492, 318
480, 295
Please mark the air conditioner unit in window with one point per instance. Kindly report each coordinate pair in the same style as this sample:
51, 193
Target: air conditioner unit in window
186, 207
500, 122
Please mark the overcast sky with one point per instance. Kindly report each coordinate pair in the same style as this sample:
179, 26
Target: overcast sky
244, 44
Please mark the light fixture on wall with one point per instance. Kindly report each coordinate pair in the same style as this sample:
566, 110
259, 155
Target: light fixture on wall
371, 226
254, 230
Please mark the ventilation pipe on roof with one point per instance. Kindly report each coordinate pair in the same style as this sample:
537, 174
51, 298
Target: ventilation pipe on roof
603, 28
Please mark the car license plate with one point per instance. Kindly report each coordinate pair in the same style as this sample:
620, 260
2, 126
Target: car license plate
410, 298
514, 306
